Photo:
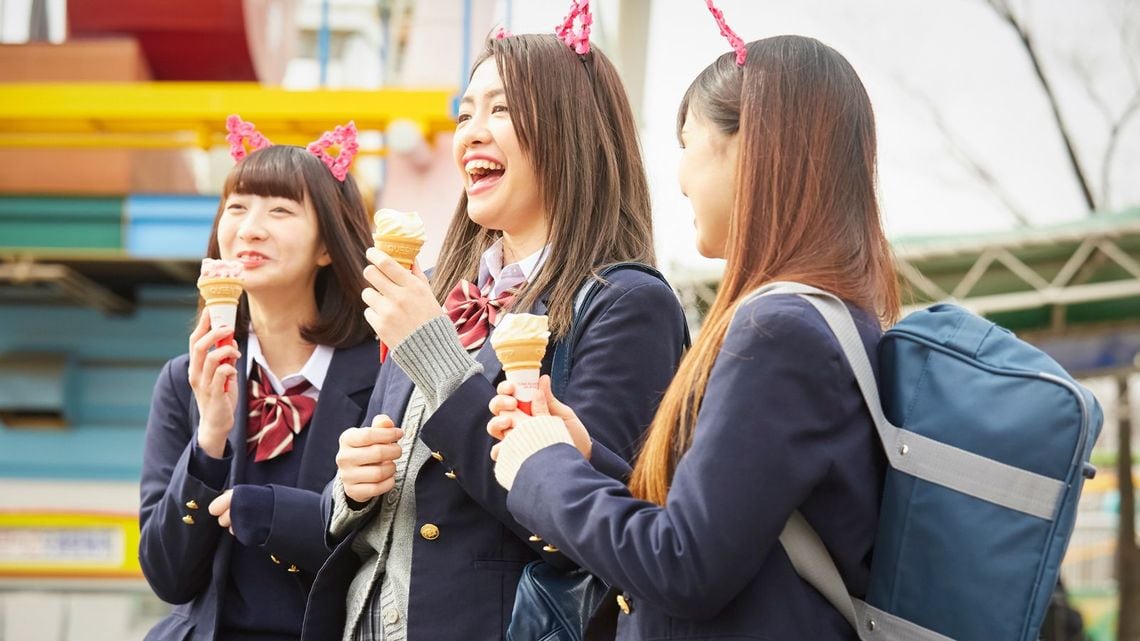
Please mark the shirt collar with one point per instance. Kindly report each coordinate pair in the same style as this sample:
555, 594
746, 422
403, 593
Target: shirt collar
505, 277
313, 371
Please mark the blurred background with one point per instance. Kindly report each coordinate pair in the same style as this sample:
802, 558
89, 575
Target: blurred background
1009, 174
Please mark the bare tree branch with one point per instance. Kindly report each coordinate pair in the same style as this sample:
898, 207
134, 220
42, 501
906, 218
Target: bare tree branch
1085, 76
968, 160
1001, 7
1124, 20
1130, 110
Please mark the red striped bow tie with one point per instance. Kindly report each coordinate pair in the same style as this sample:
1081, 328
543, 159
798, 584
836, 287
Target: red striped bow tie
474, 312
275, 419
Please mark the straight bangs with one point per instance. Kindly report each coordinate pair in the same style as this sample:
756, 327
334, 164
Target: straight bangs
276, 172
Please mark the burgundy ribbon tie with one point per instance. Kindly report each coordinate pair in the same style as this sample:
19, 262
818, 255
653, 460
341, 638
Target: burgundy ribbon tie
275, 419
474, 312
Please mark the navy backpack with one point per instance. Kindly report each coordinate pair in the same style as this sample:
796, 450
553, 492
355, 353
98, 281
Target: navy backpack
988, 441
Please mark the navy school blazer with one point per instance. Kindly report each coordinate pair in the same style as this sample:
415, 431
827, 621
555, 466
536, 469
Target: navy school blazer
464, 578
782, 427
187, 564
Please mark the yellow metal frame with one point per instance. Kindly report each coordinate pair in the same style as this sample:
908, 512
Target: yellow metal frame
124, 525
164, 115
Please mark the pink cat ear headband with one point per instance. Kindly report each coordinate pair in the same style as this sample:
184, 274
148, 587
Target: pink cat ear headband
730, 35
578, 40
244, 138
576, 36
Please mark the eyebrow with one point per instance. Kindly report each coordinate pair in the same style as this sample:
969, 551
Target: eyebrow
494, 93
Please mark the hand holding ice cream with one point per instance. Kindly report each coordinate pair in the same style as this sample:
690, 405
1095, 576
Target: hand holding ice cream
400, 235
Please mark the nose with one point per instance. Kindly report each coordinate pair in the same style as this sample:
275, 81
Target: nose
473, 132
253, 224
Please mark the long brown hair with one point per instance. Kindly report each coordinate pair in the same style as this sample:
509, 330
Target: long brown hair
284, 171
574, 122
805, 209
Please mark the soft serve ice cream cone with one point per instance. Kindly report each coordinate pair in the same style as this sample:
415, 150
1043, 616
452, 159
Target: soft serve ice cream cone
220, 284
399, 234
520, 342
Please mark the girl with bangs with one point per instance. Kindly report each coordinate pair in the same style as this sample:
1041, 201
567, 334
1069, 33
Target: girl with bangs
764, 417
555, 191
231, 530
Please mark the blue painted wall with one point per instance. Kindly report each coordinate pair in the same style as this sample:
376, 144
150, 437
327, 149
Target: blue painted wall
116, 361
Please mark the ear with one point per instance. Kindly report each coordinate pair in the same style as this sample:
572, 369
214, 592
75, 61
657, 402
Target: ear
324, 259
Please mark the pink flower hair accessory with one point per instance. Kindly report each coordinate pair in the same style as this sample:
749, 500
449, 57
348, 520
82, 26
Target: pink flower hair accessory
501, 33
730, 35
243, 137
343, 137
578, 41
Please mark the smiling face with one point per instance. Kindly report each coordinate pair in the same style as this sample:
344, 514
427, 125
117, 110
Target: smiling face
498, 176
276, 239
707, 174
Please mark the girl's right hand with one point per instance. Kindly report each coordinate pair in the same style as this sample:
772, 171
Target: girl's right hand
366, 460
209, 372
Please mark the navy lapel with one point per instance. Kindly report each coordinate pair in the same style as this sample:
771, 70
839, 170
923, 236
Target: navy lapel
351, 370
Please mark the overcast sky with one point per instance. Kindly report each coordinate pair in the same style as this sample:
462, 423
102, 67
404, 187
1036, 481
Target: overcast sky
956, 55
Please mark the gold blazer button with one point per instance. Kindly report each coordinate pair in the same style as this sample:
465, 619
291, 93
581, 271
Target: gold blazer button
624, 604
429, 531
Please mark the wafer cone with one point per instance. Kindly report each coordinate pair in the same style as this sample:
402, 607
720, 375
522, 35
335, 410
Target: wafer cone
521, 354
404, 250
220, 291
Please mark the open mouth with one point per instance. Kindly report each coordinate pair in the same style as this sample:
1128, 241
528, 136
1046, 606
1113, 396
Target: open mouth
483, 174
251, 259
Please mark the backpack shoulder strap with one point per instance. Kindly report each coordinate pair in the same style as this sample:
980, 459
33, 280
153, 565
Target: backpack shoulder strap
564, 349
915, 454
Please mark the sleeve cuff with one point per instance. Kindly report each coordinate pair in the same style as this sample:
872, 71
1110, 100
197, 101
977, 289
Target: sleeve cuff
435, 360
528, 437
344, 516
251, 512
212, 472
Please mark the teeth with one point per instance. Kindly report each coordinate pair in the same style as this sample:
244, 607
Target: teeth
480, 167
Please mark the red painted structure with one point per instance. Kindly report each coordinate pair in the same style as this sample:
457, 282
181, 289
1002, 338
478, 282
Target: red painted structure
188, 40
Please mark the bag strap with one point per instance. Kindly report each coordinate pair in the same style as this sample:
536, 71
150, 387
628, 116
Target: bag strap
920, 456
909, 453
564, 349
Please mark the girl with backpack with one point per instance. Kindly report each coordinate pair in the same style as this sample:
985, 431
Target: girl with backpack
764, 417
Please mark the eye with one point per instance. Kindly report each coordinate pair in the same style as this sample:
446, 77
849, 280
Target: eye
499, 109
462, 118
235, 208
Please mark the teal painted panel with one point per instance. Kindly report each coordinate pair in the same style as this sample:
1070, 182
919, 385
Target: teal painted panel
109, 394
61, 222
84, 452
153, 333
114, 362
